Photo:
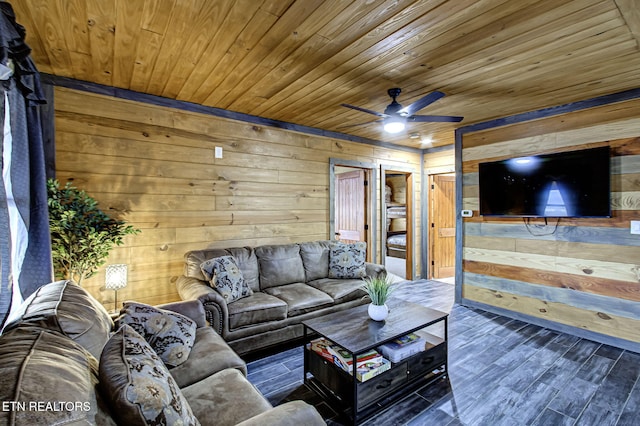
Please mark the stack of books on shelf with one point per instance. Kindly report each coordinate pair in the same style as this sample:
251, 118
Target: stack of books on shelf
403, 347
368, 364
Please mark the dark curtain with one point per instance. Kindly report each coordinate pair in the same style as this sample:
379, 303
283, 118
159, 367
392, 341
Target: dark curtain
25, 245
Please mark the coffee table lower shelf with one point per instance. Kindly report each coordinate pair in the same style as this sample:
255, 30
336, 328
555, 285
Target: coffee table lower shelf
357, 400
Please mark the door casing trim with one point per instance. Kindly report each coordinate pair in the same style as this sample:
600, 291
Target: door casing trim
372, 219
384, 169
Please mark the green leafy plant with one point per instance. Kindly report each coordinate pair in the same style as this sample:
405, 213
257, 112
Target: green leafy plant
378, 289
82, 235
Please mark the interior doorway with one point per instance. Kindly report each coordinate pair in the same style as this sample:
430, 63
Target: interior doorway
352, 193
398, 222
442, 229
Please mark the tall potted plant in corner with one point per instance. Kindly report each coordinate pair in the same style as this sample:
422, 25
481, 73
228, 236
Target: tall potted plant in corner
378, 289
82, 235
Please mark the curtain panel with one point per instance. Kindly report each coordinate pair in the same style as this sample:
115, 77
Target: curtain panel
25, 246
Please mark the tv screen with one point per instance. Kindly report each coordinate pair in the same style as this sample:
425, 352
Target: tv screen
567, 184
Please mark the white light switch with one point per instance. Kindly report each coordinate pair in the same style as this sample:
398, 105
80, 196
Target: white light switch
466, 213
635, 226
218, 152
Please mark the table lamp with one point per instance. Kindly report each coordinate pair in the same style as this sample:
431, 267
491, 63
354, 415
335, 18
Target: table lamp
116, 279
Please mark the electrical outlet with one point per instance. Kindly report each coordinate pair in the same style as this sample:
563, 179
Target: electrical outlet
218, 152
635, 226
466, 213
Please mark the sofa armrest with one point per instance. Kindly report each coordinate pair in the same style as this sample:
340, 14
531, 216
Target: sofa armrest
215, 307
189, 308
374, 269
294, 413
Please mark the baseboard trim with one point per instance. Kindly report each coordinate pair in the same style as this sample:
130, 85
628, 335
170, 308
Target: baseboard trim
585, 334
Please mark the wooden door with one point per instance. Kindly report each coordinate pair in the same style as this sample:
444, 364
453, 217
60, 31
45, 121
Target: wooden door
350, 206
443, 226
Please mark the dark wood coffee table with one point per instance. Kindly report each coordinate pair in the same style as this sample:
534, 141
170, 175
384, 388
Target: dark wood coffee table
354, 331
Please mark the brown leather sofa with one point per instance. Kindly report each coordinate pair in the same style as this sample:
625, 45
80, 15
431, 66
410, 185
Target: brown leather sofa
50, 373
290, 283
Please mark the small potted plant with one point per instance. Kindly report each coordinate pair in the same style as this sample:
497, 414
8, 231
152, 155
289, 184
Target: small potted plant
378, 289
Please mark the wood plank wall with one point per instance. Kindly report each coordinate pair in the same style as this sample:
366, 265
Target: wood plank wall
440, 161
586, 274
154, 167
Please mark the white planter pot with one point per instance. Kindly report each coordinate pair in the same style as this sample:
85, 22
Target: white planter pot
378, 312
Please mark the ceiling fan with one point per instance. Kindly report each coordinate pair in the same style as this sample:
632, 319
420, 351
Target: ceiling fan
395, 116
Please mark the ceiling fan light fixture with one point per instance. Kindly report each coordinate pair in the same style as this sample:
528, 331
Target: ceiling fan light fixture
394, 124
426, 141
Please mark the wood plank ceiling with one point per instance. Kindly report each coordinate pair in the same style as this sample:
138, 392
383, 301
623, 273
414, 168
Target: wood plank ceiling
298, 60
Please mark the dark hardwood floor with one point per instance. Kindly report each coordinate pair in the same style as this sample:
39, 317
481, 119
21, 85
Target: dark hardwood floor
501, 372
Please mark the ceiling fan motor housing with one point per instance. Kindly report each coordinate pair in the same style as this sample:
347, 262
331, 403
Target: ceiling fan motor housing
395, 122
394, 106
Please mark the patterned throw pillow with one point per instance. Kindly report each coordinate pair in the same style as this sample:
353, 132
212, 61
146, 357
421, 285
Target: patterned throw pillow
347, 260
226, 277
170, 334
140, 389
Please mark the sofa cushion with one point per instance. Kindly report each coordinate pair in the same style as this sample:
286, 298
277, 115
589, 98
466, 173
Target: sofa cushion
292, 413
300, 298
279, 265
347, 260
226, 278
67, 308
315, 258
139, 387
255, 309
340, 289
40, 367
248, 264
170, 334
209, 355
225, 398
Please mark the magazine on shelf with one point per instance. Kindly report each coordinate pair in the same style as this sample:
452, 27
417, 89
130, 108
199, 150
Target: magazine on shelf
320, 346
341, 357
368, 358
344, 360
370, 370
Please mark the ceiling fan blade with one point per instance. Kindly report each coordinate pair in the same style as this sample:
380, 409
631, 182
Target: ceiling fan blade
368, 111
435, 118
359, 124
421, 103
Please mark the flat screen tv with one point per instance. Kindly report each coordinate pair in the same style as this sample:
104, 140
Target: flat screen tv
566, 184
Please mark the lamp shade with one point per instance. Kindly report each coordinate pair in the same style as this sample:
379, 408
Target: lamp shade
394, 124
116, 276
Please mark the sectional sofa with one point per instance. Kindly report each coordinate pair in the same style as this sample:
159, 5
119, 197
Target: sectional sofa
287, 284
63, 362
